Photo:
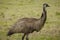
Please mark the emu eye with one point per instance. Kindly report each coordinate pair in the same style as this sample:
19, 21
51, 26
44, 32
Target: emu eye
47, 5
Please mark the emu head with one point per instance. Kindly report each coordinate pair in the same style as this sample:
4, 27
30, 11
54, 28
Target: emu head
45, 5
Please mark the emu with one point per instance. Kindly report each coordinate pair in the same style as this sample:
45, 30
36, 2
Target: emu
29, 25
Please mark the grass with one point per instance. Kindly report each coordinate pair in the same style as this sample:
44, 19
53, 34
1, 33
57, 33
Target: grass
12, 10
57, 13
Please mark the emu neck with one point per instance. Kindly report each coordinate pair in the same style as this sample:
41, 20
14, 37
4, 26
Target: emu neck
42, 20
44, 15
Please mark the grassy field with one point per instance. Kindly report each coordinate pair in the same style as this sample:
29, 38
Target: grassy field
12, 10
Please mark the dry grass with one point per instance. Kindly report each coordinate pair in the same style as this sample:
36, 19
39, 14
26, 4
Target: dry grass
12, 10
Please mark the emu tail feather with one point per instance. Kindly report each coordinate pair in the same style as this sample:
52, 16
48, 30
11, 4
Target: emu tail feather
9, 33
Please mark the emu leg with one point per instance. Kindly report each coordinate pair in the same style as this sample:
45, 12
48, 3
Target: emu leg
23, 36
27, 37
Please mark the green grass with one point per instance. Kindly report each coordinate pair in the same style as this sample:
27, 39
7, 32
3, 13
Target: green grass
12, 10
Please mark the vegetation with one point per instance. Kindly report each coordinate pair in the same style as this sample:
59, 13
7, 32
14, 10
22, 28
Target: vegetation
12, 10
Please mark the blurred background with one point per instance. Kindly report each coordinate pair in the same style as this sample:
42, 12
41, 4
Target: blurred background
12, 10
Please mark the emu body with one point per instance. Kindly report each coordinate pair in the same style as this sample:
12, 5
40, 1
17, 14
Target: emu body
29, 25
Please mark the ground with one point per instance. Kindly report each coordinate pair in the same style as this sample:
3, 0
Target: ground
12, 10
